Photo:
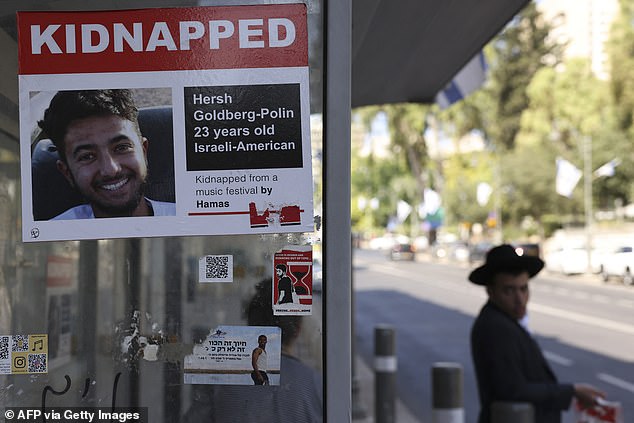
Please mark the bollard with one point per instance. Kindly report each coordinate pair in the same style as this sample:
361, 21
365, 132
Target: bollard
384, 374
447, 402
512, 412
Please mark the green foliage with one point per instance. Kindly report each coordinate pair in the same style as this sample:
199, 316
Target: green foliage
533, 109
407, 124
528, 185
563, 105
467, 115
608, 144
621, 53
463, 173
379, 181
515, 56
398, 176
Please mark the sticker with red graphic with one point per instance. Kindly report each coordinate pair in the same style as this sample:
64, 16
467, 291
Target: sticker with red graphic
293, 281
285, 215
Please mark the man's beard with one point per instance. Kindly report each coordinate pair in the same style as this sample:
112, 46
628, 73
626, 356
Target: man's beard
126, 209
121, 210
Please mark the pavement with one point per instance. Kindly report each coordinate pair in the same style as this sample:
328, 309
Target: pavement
363, 400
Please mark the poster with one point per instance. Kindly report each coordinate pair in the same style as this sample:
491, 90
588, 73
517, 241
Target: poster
230, 354
293, 281
222, 144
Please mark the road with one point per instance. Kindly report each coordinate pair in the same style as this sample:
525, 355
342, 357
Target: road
585, 328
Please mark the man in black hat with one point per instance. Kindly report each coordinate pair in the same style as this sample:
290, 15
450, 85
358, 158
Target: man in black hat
509, 363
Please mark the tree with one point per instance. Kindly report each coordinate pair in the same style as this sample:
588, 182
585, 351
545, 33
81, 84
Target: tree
564, 107
514, 57
376, 189
528, 175
379, 178
407, 123
464, 172
621, 53
404, 172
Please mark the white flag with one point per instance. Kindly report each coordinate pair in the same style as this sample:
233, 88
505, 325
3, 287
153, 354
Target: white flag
607, 169
483, 193
469, 79
567, 177
431, 200
402, 210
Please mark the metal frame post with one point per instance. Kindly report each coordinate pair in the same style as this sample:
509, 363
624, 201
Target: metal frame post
337, 232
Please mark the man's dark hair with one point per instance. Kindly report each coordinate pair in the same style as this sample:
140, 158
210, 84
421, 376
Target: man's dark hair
281, 266
68, 106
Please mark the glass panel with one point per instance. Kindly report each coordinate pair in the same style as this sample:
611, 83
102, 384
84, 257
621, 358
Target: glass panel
121, 315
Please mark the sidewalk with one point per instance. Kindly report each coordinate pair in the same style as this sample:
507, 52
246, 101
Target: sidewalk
365, 397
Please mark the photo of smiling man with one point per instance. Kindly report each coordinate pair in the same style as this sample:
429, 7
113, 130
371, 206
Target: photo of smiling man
102, 154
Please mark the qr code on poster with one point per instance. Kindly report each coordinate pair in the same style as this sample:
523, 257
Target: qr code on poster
37, 363
217, 268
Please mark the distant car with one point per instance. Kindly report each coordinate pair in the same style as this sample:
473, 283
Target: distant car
571, 261
460, 252
619, 263
421, 243
402, 251
387, 241
478, 252
452, 251
381, 243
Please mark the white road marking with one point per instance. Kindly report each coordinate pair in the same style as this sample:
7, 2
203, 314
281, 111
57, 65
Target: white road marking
613, 380
533, 306
581, 295
562, 291
625, 303
601, 299
555, 358
583, 318
469, 289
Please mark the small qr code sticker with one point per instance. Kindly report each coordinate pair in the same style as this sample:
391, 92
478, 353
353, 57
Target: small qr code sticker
4, 347
216, 268
37, 363
20, 343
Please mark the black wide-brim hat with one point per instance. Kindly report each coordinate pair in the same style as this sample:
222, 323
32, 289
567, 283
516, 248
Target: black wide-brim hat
504, 258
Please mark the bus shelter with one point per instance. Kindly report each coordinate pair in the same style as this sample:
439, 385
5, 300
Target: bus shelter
190, 260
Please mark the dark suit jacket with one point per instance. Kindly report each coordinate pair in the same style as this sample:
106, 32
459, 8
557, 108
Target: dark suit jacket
510, 366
